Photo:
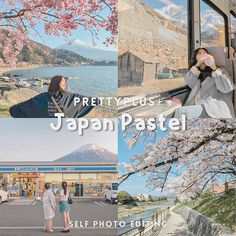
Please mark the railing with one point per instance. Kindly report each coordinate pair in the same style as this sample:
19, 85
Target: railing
148, 226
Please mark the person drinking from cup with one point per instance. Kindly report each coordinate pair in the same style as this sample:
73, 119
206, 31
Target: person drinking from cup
211, 89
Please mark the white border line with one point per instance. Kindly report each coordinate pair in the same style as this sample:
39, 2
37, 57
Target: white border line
36, 227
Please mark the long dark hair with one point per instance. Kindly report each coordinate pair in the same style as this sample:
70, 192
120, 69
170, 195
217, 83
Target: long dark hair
64, 186
47, 186
193, 60
54, 86
207, 71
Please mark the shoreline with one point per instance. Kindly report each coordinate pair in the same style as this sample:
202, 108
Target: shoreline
12, 97
5, 69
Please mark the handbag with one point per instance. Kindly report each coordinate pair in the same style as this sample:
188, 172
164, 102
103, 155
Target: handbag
70, 201
57, 106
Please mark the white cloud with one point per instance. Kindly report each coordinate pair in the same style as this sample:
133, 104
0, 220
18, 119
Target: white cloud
80, 42
167, 2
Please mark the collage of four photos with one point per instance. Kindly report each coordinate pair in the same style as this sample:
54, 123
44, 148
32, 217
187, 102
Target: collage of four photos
117, 117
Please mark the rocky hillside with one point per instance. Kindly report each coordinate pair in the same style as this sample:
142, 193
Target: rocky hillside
36, 53
150, 35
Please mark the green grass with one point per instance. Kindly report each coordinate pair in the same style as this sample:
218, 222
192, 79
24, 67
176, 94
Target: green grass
4, 110
221, 209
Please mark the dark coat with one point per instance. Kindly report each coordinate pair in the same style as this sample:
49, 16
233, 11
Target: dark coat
42, 106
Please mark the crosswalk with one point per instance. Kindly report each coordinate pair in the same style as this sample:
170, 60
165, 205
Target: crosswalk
100, 203
20, 202
30, 202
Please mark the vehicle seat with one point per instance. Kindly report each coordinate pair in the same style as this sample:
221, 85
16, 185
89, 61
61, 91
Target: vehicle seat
221, 55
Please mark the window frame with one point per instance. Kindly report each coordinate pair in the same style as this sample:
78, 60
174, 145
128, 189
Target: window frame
232, 14
225, 17
191, 35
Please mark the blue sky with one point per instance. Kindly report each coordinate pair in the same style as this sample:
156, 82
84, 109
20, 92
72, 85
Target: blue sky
163, 3
34, 140
135, 184
81, 34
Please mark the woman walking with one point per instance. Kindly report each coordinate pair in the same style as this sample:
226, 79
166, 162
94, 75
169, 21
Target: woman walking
49, 207
64, 206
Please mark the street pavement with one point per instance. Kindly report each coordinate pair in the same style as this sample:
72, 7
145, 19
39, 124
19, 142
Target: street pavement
176, 226
23, 217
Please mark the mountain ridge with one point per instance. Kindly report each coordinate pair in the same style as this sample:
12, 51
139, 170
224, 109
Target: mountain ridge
93, 53
37, 53
89, 153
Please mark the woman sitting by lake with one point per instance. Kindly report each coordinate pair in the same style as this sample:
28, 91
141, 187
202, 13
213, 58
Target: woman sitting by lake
211, 89
56, 100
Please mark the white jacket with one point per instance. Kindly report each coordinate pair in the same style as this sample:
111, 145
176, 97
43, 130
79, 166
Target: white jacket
216, 92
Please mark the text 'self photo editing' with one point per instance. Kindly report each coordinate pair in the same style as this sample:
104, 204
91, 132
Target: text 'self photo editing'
117, 117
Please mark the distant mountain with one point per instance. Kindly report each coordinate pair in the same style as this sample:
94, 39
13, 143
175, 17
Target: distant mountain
93, 53
211, 22
36, 53
173, 11
89, 153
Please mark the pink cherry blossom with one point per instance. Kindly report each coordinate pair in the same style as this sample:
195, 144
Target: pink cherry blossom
18, 17
186, 162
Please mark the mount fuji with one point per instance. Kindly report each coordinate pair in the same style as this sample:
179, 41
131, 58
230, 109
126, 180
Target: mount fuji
91, 52
89, 153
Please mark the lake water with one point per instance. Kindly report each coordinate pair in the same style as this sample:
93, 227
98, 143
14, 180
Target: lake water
92, 80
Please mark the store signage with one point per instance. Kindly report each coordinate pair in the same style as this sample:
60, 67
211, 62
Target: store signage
58, 169
28, 176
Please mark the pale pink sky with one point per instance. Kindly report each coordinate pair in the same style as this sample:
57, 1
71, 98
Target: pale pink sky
34, 140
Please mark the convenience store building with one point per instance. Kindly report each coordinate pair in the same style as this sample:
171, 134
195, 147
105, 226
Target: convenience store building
27, 179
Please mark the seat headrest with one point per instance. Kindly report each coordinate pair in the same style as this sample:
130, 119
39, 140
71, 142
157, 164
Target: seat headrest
220, 53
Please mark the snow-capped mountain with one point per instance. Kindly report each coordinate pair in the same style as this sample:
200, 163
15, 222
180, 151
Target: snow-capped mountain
210, 20
90, 52
174, 12
89, 153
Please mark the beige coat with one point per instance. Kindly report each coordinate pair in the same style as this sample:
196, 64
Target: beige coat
216, 92
49, 204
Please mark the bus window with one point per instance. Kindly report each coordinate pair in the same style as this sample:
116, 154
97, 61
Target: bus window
212, 26
153, 46
233, 30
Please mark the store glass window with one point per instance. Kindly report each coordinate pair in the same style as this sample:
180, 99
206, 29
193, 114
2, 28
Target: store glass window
70, 177
106, 176
53, 178
92, 190
88, 176
212, 26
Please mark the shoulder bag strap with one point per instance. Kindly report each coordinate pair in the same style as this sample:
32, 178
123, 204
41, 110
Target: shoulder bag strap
57, 106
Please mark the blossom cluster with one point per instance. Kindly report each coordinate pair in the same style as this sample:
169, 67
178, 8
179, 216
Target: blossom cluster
20, 17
